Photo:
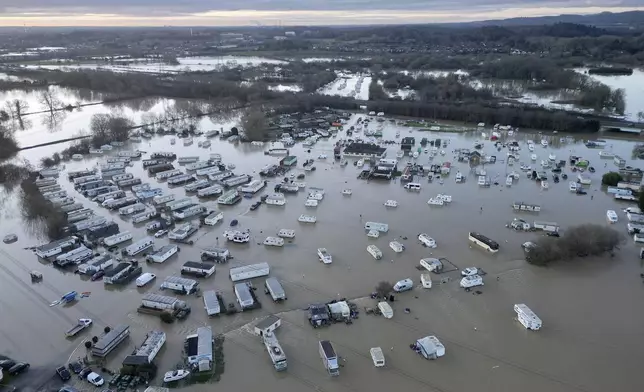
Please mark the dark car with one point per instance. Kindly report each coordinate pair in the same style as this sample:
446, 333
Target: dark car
75, 367
63, 373
18, 368
553, 234
255, 206
83, 373
7, 364
98, 275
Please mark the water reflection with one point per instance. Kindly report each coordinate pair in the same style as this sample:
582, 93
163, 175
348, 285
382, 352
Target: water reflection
53, 121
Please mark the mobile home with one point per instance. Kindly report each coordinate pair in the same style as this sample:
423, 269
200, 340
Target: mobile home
244, 297
139, 246
162, 254
117, 238
274, 288
181, 285
249, 272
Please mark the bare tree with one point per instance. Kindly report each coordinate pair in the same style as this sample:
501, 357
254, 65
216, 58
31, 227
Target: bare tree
20, 106
384, 288
49, 100
254, 124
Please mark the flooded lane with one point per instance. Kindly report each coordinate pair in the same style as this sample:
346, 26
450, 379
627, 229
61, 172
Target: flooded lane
589, 342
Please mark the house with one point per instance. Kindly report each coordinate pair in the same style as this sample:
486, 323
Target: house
268, 325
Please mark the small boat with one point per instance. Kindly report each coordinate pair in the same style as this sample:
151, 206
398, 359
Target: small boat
435, 202
459, 178
325, 256
544, 184
564, 176
533, 157
77, 157
544, 142
606, 154
187, 141
286, 233
173, 141
311, 203
373, 234
230, 167
10, 238
96, 151
509, 181
552, 157
443, 152
347, 192
426, 240
307, 219
396, 246
391, 203
175, 375
322, 156
374, 251
274, 241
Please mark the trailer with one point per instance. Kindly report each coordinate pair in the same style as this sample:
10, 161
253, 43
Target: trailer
109, 195
117, 239
329, 358
79, 215
145, 216
181, 285
108, 342
74, 256
244, 296
129, 154
216, 254
110, 173
120, 203
140, 188
81, 324
189, 212
85, 179
167, 174
212, 303
186, 160
200, 270
128, 183
220, 176
71, 207
249, 272
208, 170
158, 168
211, 191
81, 173
95, 264
56, 247
121, 177
162, 302
164, 155
377, 356
139, 246
179, 204
214, 218
122, 273
162, 199
527, 317
195, 186
181, 179
162, 254
132, 209
200, 165
152, 162
101, 190
87, 223
148, 194
103, 230
275, 351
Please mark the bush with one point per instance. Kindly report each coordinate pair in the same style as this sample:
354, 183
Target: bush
384, 288
611, 178
576, 243
167, 317
88, 344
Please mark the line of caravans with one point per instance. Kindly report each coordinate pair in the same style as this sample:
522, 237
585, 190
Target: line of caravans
151, 213
167, 174
181, 179
130, 182
117, 238
197, 185
179, 204
214, 190
189, 212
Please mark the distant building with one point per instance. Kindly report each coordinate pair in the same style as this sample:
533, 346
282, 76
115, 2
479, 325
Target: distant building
280, 38
290, 34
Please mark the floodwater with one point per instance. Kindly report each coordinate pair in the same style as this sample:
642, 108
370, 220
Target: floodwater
591, 337
633, 86
349, 85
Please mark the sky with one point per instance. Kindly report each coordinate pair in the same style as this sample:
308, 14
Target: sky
287, 12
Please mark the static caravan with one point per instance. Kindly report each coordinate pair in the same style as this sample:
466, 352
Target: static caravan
249, 272
178, 204
79, 215
167, 174
109, 196
164, 155
142, 187
150, 193
200, 165
110, 173
162, 199
162, 254
152, 162
189, 212
111, 166
220, 176
181, 179
145, 216
214, 218
238, 180
132, 209
214, 190
96, 264
81, 173
194, 268
130, 182
208, 170
211, 303
71, 207
56, 247
129, 154
87, 223
186, 160
82, 180
139, 246
161, 167
85, 186
381, 227
195, 186
124, 176
273, 287
101, 190
551, 227
117, 238
244, 296
182, 285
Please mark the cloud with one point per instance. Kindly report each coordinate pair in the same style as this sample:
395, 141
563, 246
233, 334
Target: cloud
188, 7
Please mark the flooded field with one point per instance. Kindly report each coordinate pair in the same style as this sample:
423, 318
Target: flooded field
349, 85
591, 335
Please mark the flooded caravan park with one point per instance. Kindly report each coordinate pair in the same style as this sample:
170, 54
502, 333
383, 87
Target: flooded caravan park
589, 341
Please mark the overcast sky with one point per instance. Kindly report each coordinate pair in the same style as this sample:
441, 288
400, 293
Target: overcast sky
287, 12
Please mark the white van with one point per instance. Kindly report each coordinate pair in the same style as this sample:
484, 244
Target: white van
145, 279
403, 285
471, 281
412, 186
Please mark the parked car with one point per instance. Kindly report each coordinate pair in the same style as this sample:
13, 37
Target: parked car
84, 373
553, 234
18, 368
95, 379
7, 364
160, 233
175, 375
98, 275
76, 367
255, 206
63, 373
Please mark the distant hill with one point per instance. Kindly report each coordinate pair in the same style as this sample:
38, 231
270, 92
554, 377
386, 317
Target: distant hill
626, 20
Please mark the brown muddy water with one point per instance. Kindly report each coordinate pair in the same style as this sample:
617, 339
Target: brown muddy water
591, 339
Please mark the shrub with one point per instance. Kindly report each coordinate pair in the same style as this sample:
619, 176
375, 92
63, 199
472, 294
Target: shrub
611, 178
167, 317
